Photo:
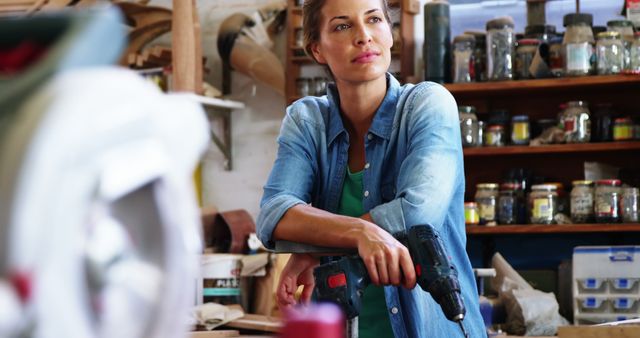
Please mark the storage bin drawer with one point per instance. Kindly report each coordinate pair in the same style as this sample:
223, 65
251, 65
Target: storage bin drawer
625, 305
592, 285
593, 305
624, 285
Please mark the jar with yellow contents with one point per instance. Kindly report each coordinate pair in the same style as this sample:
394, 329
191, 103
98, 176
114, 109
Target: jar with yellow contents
622, 129
520, 130
471, 214
487, 199
543, 203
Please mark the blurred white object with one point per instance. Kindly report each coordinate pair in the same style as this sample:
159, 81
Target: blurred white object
212, 315
98, 218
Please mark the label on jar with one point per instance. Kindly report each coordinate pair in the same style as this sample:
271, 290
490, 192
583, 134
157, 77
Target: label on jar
622, 132
471, 216
542, 209
579, 57
520, 131
605, 209
582, 205
487, 212
570, 124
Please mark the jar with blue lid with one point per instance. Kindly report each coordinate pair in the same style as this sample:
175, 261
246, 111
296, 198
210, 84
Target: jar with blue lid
520, 134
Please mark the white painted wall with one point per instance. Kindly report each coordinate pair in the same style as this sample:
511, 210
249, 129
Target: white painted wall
254, 129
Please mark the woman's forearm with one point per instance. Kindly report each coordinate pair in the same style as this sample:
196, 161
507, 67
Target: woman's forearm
306, 224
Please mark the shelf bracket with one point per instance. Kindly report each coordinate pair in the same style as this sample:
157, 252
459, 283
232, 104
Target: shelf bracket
220, 109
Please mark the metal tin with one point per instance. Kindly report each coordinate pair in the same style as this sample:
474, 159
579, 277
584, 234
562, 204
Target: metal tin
437, 53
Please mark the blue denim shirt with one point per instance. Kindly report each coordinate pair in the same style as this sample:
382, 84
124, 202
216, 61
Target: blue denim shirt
413, 175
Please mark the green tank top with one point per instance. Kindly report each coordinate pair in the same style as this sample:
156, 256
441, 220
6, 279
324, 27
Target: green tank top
373, 321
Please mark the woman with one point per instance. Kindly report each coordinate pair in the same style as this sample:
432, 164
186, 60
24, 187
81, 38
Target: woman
370, 159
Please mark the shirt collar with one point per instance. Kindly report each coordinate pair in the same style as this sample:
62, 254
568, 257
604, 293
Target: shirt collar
382, 123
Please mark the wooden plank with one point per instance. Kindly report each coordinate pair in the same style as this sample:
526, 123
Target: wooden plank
214, 334
185, 50
552, 148
257, 323
631, 331
551, 229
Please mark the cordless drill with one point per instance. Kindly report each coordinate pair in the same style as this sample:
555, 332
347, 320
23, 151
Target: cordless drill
343, 281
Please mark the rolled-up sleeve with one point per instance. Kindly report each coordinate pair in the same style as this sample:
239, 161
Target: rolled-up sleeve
291, 180
429, 175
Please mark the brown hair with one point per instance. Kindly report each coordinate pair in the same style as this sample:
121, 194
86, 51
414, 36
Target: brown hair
311, 16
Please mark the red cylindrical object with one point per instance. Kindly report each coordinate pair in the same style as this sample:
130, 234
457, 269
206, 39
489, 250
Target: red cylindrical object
314, 321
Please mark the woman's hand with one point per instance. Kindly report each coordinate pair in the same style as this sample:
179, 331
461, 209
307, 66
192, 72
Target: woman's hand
386, 259
298, 271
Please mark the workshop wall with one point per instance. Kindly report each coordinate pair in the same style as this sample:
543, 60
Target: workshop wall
254, 129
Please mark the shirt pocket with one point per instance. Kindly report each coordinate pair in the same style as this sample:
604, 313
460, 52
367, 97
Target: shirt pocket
388, 192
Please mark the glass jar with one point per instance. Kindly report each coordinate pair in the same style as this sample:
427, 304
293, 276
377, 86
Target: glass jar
607, 200
468, 126
556, 57
303, 86
471, 214
576, 122
508, 203
487, 199
578, 44
525, 52
625, 29
635, 53
622, 129
319, 86
543, 203
629, 205
603, 123
479, 55
495, 136
500, 48
562, 205
520, 130
582, 202
463, 65
481, 132
609, 53
544, 33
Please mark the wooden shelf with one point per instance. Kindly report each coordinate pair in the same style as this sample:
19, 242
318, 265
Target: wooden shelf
550, 229
552, 149
526, 86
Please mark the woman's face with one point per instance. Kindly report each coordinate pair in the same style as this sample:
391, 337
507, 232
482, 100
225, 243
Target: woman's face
355, 40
